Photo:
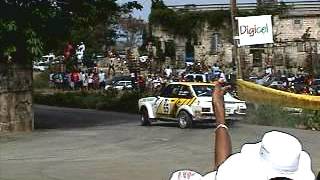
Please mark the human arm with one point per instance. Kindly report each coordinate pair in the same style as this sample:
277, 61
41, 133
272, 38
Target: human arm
222, 137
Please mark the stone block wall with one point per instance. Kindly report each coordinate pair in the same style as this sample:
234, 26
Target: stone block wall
290, 28
16, 112
289, 49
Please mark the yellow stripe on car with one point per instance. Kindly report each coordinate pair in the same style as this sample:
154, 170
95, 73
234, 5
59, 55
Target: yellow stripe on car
192, 100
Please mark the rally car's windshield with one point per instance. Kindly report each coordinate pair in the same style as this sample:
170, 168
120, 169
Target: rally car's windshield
203, 90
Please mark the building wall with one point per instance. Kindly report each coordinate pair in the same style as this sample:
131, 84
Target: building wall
219, 52
202, 48
293, 27
15, 99
288, 50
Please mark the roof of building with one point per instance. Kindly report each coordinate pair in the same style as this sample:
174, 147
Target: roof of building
298, 8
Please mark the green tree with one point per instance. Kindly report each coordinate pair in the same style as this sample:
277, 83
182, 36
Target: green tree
28, 28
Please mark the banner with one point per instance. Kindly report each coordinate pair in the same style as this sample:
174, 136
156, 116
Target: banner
263, 95
255, 30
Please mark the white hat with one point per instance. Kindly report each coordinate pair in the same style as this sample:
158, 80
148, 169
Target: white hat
277, 155
192, 175
186, 175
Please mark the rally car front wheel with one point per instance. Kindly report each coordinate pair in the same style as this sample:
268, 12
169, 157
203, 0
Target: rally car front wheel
145, 120
184, 120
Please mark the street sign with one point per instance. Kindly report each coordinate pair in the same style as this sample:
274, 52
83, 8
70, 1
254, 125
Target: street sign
255, 30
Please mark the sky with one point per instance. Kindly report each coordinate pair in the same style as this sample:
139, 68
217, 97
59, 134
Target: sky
143, 14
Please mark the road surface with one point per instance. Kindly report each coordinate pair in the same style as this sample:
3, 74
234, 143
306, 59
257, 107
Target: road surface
74, 144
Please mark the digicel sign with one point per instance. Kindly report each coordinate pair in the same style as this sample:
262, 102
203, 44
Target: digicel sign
255, 30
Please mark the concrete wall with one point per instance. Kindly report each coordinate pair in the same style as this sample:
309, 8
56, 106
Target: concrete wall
15, 98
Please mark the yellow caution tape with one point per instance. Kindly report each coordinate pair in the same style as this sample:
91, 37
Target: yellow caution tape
263, 95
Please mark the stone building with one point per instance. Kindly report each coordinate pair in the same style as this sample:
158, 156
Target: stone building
296, 40
297, 37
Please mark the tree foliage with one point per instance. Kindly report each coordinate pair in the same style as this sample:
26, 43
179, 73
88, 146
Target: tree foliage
28, 28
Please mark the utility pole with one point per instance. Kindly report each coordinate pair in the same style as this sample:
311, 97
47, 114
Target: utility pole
235, 58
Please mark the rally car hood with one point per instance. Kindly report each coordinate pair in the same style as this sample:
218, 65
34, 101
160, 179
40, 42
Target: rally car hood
227, 98
148, 99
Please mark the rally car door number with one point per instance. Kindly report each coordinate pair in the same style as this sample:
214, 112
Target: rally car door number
166, 106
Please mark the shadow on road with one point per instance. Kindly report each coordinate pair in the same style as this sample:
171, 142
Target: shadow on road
196, 126
47, 117
175, 125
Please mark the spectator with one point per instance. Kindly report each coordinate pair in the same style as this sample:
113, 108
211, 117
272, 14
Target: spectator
232, 76
168, 71
102, 80
149, 83
222, 77
51, 80
268, 70
68, 51
71, 83
65, 81
85, 81
141, 83
90, 80
80, 51
111, 67
76, 80
95, 80
215, 70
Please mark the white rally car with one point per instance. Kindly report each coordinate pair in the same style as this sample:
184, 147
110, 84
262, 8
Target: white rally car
187, 103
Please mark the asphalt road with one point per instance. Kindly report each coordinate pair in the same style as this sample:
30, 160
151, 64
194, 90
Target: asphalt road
73, 144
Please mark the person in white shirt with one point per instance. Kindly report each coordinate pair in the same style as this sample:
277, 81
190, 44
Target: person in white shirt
168, 72
85, 81
102, 79
80, 51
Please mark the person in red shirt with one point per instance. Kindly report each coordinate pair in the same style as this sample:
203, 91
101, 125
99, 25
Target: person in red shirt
68, 51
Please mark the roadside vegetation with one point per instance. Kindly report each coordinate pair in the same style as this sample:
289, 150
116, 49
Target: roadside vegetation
41, 80
112, 100
271, 115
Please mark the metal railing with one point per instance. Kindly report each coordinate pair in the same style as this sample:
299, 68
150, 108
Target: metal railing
296, 5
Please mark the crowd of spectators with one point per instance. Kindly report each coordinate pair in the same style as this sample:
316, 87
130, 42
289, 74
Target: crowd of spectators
95, 79
84, 80
300, 82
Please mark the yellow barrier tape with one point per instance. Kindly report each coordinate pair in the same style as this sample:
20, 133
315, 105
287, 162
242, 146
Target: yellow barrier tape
260, 94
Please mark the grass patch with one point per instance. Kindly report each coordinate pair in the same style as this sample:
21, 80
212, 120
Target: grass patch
270, 115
